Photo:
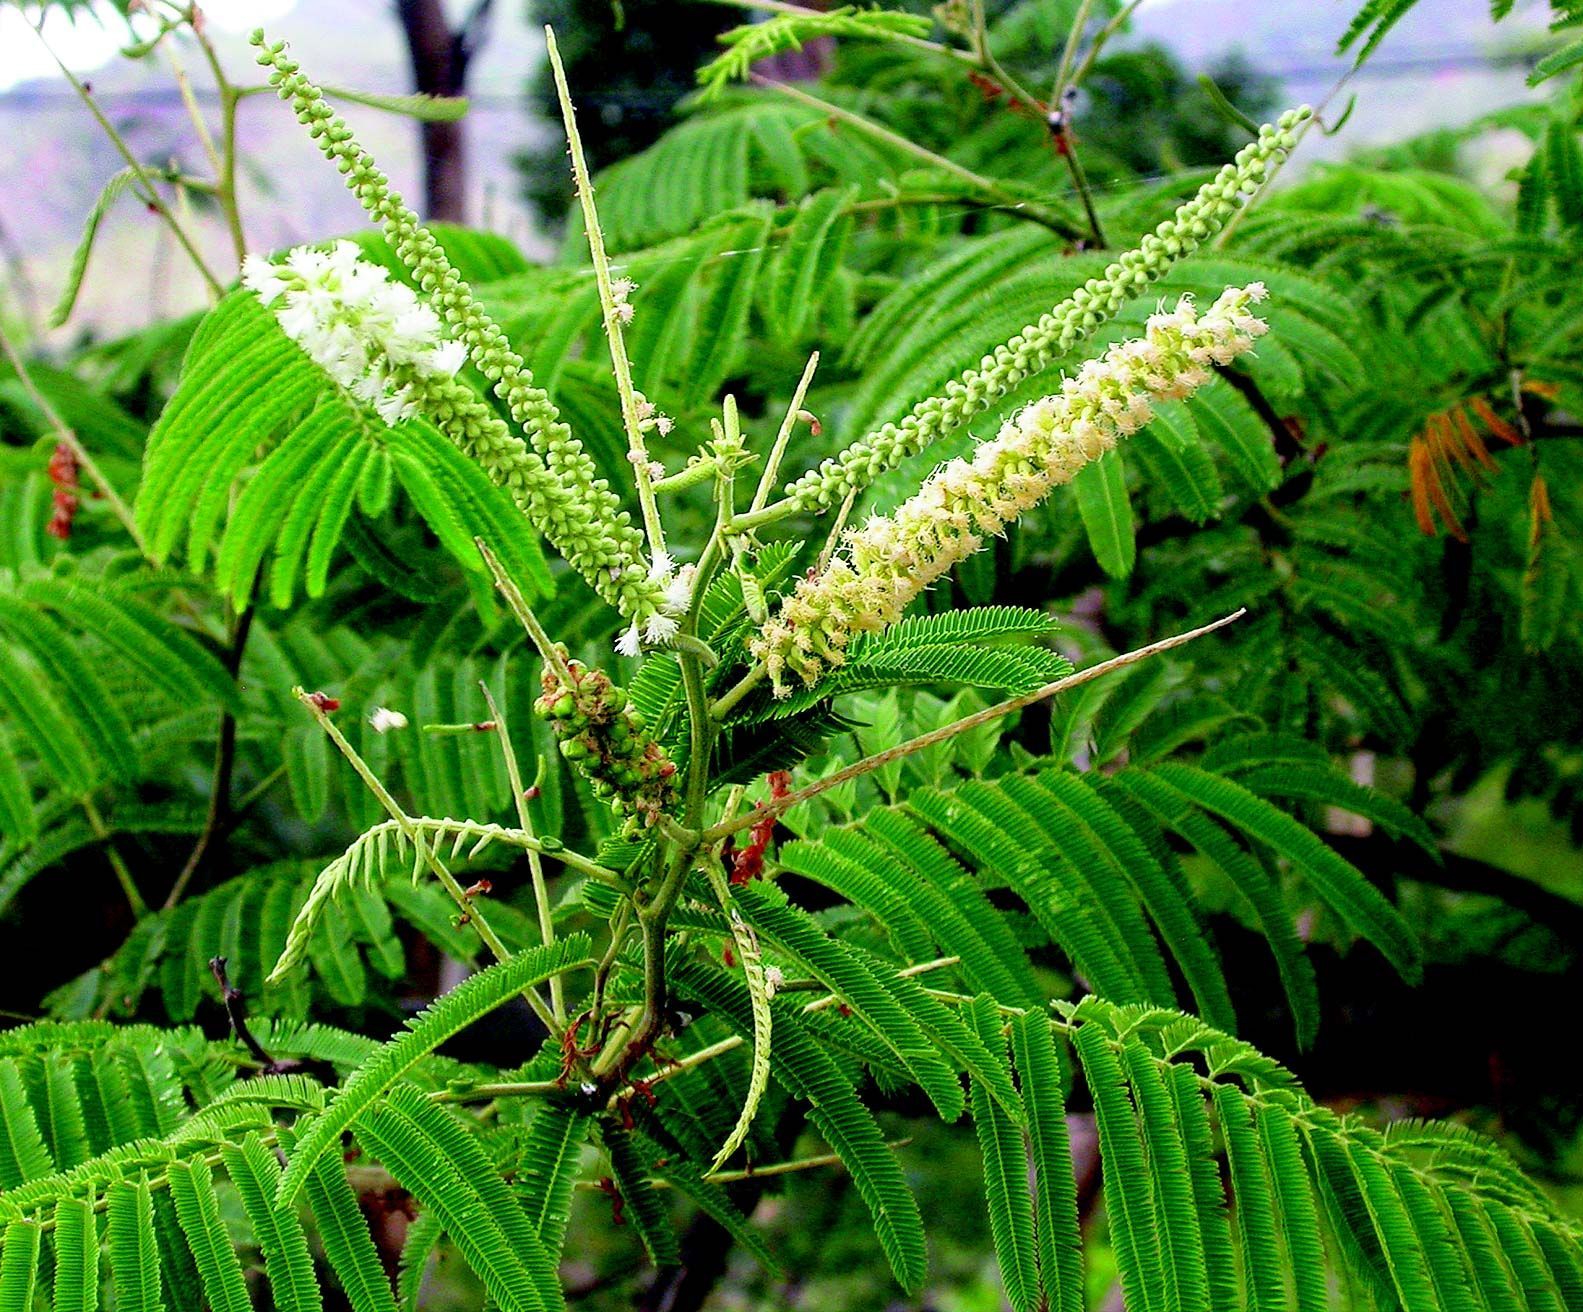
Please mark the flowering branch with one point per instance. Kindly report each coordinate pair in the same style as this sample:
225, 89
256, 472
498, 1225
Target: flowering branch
1054, 335
891, 560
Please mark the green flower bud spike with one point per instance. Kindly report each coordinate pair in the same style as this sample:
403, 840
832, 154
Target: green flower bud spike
576, 509
1038, 345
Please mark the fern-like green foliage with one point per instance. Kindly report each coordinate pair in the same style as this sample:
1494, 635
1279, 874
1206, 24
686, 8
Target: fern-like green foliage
449, 1015
887, 917
745, 46
324, 458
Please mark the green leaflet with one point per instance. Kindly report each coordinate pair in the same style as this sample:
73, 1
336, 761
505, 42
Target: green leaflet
1182, 1249
913, 1025
443, 1166
76, 1256
256, 1175
19, 1264
1257, 1226
712, 1200
134, 1247
1175, 811
1101, 493
860, 987
1135, 1229
1005, 1174
1209, 1198
844, 1123
444, 1018
348, 1246
298, 502
18, 824
1341, 885
198, 1211
547, 1169
23, 1155
643, 1207
1040, 1078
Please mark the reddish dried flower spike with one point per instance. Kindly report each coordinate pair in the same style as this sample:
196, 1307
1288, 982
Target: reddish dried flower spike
65, 501
748, 863
618, 1204
992, 90
324, 702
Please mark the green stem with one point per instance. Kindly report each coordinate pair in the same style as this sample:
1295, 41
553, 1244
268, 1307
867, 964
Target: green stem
1066, 226
653, 915
756, 519
225, 190
772, 463
1074, 36
637, 450
727, 702
871, 763
148, 194
541, 896
524, 613
123, 876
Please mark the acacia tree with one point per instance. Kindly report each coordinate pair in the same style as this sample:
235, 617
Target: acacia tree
766, 794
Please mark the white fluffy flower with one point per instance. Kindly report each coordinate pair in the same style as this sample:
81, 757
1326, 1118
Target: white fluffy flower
382, 719
630, 643
659, 628
679, 590
371, 335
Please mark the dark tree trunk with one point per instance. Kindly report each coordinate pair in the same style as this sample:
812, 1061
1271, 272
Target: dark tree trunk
440, 55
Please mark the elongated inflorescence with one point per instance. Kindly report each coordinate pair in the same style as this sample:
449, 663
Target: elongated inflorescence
891, 559
1040, 344
383, 345
576, 509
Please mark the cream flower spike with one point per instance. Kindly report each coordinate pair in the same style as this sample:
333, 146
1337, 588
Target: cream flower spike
891, 559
